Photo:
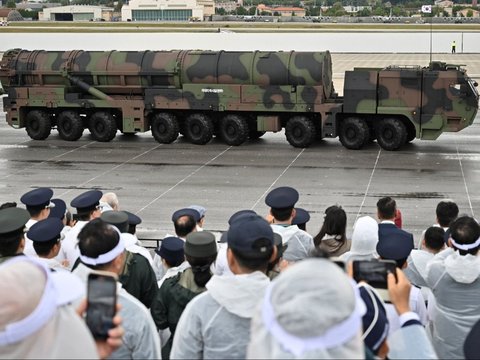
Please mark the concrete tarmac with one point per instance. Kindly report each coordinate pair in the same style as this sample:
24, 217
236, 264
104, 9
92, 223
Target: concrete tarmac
153, 180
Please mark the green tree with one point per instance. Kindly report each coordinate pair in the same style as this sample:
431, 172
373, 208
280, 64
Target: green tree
241, 11
27, 14
118, 7
220, 11
470, 13
11, 4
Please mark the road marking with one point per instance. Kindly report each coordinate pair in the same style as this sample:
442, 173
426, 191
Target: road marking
368, 185
464, 180
183, 180
275, 181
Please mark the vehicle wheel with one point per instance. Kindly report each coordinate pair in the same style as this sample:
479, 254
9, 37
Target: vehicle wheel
233, 130
354, 133
102, 126
198, 129
300, 131
38, 124
391, 134
411, 134
70, 125
254, 134
164, 128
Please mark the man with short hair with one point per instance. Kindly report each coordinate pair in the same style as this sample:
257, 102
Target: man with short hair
88, 208
38, 204
386, 210
282, 202
102, 248
201, 212
216, 324
12, 224
446, 212
109, 201
46, 235
454, 278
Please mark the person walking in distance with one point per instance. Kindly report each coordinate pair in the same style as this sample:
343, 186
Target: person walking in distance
454, 46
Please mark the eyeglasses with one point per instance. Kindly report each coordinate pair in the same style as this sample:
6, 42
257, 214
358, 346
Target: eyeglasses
99, 207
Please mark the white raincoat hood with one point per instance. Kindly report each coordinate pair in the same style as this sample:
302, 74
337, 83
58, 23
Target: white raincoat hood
238, 294
463, 268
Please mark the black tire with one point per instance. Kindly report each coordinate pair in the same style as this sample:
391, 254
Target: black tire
164, 128
300, 131
391, 134
233, 129
38, 124
254, 134
411, 134
198, 129
102, 126
70, 125
354, 133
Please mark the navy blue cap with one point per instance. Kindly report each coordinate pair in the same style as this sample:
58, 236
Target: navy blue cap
133, 219
38, 198
282, 197
471, 347
13, 219
186, 212
239, 214
87, 201
394, 248
302, 216
375, 321
243, 233
119, 219
171, 249
59, 210
46, 230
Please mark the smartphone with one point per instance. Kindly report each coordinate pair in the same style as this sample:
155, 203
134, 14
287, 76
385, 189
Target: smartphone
101, 302
374, 272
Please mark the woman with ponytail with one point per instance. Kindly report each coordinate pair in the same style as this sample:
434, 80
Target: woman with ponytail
176, 292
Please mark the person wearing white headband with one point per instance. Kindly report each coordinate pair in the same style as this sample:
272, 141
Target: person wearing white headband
453, 275
36, 320
102, 248
312, 310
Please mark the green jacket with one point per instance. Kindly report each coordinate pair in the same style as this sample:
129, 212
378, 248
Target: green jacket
172, 298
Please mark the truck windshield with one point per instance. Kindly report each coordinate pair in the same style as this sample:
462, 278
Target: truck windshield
471, 83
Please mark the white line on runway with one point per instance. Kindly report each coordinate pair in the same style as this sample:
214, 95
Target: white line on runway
183, 180
48, 160
110, 170
464, 180
368, 185
279, 176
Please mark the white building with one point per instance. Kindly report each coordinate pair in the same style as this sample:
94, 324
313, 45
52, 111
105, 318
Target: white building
76, 13
167, 10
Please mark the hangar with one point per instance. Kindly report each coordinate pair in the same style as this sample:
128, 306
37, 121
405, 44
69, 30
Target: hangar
76, 13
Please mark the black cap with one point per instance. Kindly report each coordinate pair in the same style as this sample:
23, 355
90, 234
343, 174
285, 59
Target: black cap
282, 197
186, 212
394, 248
38, 198
200, 244
171, 249
119, 219
46, 230
13, 219
59, 210
133, 219
87, 201
302, 216
242, 235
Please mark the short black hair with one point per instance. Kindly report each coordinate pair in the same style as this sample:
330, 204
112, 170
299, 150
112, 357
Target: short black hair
257, 262
97, 237
184, 225
465, 230
10, 242
9, 204
43, 248
34, 211
434, 238
281, 214
386, 207
446, 212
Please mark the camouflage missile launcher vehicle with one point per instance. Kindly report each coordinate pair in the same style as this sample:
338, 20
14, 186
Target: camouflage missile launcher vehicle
233, 95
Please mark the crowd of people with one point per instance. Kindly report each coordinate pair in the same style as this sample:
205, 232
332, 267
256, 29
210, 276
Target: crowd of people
265, 289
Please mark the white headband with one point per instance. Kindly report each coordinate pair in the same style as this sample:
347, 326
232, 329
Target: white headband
465, 246
45, 309
108, 256
335, 336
